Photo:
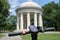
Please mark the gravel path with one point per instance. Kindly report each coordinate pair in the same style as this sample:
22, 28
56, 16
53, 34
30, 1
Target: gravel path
6, 37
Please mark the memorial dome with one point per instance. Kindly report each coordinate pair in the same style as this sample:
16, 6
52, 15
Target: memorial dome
29, 4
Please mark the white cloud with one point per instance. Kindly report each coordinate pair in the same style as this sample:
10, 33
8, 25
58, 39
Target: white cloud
11, 10
13, 6
13, 3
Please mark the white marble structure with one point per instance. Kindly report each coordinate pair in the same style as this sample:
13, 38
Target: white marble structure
29, 13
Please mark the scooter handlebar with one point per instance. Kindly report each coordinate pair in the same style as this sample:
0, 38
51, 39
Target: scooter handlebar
14, 33
49, 29
32, 29
17, 33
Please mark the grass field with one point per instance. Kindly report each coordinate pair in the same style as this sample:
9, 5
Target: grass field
43, 37
1, 35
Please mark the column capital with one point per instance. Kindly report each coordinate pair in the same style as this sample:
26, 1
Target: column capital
36, 12
28, 12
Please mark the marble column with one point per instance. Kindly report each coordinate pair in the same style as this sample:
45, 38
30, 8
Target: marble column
35, 19
21, 21
40, 20
28, 20
17, 22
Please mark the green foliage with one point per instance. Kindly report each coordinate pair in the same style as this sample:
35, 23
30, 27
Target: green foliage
51, 15
11, 22
4, 13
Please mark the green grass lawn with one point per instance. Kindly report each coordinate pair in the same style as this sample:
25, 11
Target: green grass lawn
1, 35
43, 37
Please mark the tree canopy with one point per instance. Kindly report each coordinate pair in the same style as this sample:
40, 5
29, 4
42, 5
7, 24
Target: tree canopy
11, 22
51, 15
4, 12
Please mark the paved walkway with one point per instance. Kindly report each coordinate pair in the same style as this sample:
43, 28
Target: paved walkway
6, 37
52, 32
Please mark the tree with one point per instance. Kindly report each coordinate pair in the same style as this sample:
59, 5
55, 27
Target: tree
51, 15
11, 22
4, 13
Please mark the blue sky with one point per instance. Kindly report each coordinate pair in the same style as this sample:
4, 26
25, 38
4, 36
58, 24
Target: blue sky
15, 3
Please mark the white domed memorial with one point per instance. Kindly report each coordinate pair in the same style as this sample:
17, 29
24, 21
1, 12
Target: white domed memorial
29, 13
